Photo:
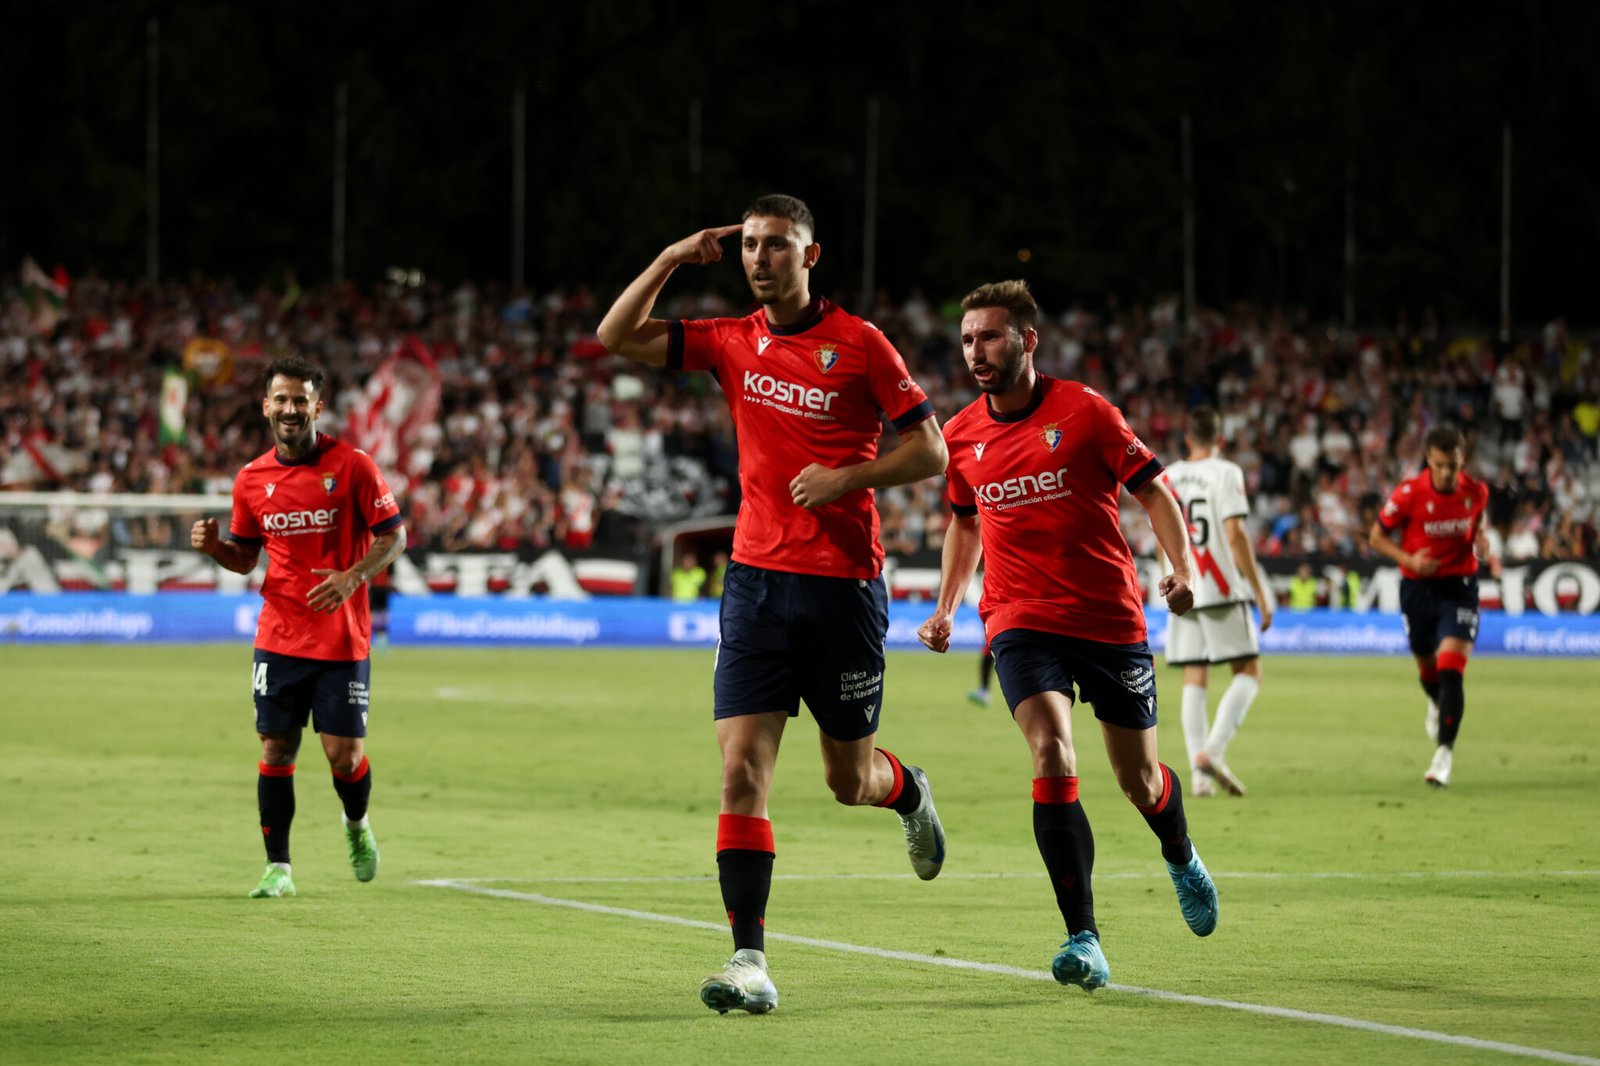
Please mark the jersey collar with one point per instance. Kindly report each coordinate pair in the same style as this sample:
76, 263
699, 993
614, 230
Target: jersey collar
1041, 386
819, 307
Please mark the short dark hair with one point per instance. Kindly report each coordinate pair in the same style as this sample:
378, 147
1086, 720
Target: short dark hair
777, 205
1444, 437
1205, 425
297, 367
1011, 295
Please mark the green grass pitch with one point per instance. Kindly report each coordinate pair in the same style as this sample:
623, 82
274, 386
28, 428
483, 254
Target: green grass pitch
1350, 892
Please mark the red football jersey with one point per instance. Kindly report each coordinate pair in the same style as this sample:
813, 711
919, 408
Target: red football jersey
321, 513
1445, 523
1044, 483
814, 392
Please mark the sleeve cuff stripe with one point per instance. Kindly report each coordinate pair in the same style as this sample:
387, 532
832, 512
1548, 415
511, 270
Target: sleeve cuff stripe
918, 414
1145, 474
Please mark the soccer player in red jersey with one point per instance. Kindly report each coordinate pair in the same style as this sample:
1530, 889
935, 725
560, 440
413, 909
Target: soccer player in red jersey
1036, 467
1438, 515
804, 610
329, 524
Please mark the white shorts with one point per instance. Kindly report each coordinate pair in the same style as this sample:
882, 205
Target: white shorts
1211, 635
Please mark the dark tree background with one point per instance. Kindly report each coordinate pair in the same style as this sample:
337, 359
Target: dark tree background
1047, 127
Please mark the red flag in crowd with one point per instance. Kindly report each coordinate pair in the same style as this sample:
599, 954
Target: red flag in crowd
401, 397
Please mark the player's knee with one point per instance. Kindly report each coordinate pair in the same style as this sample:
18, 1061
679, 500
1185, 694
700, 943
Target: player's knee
345, 761
847, 787
1143, 788
1053, 757
277, 751
742, 778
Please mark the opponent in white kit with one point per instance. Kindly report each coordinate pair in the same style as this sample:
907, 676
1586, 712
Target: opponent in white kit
1219, 629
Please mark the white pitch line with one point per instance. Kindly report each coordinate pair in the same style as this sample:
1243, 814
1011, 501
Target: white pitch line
1337, 1020
1223, 875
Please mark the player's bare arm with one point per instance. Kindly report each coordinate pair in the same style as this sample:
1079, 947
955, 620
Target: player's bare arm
1244, 556
920, 454
957, 563
205, 537
628, 329
1418, 562
1172, 533
338, 586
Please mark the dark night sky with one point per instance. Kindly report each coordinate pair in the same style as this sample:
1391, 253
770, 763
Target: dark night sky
1004, 126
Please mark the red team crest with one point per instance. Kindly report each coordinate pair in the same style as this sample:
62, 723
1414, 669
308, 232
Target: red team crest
329, 483
1051, 435
826, 356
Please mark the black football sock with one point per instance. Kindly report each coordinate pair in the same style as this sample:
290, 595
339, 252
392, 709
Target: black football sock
744, 870
1452, 705
1166, 819
1066, 843
354, 790
985, 669
904, 795
275, 799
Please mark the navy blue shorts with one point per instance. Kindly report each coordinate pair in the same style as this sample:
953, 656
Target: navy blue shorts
290, 690
1436, 608
792, 637
1118, 679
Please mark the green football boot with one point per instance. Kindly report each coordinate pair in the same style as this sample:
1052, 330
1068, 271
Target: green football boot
363, 851
275, 883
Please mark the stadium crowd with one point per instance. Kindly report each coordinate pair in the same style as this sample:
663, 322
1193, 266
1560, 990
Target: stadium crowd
526, 434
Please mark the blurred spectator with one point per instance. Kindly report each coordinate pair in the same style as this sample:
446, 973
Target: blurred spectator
1303, 589
688, 578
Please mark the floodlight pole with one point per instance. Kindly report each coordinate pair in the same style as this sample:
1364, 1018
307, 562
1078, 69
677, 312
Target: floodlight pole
1505, 233
1349, 245
694, 164
869, 213
341, 137
1185, 127
152, 152
519, 187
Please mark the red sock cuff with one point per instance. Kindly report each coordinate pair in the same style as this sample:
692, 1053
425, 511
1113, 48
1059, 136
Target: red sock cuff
1055, 790
354, 775
1451, 660
267, 770
740, 832
1166, 793
899, 779
1429, 674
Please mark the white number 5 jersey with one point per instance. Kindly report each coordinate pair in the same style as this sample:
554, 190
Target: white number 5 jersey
1212, 491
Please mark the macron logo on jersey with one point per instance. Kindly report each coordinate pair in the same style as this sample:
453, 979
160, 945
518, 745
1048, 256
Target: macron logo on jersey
781, 392
761, 345
270, 486
291, 522
977, 449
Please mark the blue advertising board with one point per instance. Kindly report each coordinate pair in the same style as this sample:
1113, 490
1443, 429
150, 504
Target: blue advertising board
181, 617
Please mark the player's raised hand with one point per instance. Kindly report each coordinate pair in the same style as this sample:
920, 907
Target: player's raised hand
203, 535
817, 485
336, 587
1178, 594
935, 633
703, 247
